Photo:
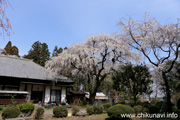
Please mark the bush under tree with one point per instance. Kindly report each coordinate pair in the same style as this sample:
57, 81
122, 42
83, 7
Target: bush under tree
116, 111
1, 108
145, 104
75, 110
90, 110
98, 109
39, 113
107, 106
60, 111
140, 109
27, 108
154, 101
155, 106
11, 112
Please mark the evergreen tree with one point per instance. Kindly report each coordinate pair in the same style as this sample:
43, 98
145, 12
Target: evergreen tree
134, 80
11, 50
65, 48
7, 47
14, 51
45, 54
39, 53
57, 51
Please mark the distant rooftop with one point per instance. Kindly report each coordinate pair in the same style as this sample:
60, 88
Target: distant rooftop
99, 95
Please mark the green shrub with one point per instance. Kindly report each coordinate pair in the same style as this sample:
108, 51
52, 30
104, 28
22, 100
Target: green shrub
75, 110
90, 110
140, 109
39, 113
154, 109
115, 112
145, 104
107, 105
11, 112
177, 111
98, 109
27, 108
154, 101
178, 104
1, 108
130, 102
156, 105
60, 111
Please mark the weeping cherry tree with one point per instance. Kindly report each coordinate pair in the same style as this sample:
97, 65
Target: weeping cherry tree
4, 20
93, 60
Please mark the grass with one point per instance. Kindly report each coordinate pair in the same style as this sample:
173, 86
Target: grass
1, 109
82, 106
103, 114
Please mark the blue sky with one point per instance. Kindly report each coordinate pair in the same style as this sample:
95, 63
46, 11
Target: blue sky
64, 22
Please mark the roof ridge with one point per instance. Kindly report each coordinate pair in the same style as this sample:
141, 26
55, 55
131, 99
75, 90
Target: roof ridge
15, 57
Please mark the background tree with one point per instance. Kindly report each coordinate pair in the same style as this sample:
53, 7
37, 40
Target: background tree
106, 85
11, 50
134, 80
8, 46
39, 53
57, 51
45, 54
93, 60
65, 48
173, 78
158, 43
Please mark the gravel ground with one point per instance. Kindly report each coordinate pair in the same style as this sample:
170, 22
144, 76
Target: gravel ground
93, 117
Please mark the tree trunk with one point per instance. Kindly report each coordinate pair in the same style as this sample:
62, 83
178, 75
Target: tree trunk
93, 90
168, 94
135, 99
149, 97
92, 98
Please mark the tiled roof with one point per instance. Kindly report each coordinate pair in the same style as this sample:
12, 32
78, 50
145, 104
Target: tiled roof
24, 68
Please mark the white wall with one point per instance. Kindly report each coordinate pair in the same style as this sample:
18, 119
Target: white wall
29, 86
63, 95
47, 94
